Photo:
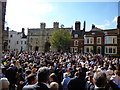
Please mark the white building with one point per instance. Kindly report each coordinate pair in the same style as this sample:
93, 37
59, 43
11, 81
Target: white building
17, 41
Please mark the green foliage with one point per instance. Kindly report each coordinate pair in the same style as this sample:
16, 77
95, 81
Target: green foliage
61, 40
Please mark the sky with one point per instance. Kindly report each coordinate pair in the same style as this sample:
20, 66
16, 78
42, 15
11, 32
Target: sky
30, 13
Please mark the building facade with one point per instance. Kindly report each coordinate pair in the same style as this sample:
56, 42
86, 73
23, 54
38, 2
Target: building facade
100, 41
1, 26
77, 41
94, 41
39, 38
97, 41
4, 32
17, 41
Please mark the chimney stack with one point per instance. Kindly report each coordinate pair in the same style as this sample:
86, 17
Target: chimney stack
84, 25
93, 26
77, 25
23, 31
7, 28
118, 24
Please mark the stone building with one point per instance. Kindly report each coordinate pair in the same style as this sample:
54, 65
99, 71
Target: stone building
0, 26
3, 32
39, 38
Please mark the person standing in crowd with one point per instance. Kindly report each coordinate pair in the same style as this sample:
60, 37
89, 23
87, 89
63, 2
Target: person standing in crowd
100, 81
115, 80
11, 76
65, 81
31, 79
43, 77
78, 82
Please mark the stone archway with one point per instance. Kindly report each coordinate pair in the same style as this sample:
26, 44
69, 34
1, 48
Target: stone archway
47, 46
36, 48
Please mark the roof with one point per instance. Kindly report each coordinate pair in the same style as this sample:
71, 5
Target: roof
79, 32
100, 32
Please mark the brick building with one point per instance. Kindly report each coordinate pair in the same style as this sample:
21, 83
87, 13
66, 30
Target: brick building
102, 41
96, 40
77, 41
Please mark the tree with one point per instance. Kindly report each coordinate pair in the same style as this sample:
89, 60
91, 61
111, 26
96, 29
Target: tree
61, 40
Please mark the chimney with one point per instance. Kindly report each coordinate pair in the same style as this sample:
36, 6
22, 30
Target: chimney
7, 28
23, 31
55, 24
84, 25
77, 25
118, 24
42, 25
93, 26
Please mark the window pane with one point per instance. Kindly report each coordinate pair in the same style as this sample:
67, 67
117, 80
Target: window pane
114, 50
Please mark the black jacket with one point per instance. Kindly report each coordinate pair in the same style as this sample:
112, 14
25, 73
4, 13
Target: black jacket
76, 84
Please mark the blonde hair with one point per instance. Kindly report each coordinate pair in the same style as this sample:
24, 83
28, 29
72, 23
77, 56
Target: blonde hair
54, 86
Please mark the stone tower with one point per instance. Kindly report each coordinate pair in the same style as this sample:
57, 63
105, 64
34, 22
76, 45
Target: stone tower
55, 25
42, 25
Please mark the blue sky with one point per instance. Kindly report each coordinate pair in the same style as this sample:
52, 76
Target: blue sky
30, 13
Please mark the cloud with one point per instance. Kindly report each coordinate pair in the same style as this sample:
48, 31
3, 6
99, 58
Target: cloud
115, 19
107, 23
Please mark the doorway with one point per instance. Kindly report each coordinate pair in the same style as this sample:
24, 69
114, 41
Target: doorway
36, 48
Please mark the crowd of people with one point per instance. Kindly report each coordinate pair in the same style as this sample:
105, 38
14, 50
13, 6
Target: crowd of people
59, 71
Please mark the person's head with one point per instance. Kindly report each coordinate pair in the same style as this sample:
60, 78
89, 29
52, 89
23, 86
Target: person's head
27, 72
65, 75
77, 74
116, 72
43, 74
5, 83
53, 77
54, 86
31, 79
100, 79
90, 78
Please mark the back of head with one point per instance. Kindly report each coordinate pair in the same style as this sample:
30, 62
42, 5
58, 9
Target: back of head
117, 72
54, 86
53, 77
31, 78
65, 75
100, 79
5, 83
43, 74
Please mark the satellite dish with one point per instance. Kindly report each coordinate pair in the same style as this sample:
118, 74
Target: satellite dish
62, 26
